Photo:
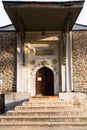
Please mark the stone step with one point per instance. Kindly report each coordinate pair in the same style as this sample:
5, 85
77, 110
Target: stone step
44, 126
50, 110
28, 119
44, 99
45, 113
47, 104
47, 108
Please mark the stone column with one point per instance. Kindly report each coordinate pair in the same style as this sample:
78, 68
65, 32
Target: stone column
19, 62
63, 78
22, 68
63, 63
68, 62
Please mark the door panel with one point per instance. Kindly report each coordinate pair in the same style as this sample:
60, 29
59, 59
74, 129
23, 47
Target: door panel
40, 80
49, 88
44, 81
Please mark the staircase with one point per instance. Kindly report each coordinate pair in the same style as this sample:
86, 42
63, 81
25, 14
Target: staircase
45, 113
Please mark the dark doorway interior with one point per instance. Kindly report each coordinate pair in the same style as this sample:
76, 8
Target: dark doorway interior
44, 82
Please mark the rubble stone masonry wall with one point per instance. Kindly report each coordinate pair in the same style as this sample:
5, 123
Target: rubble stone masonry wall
79, 60
8, 61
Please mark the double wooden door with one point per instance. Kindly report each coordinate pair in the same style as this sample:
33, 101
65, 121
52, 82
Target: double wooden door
44, 81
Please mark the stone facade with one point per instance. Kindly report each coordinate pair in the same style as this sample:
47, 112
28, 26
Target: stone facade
41, 51
45, 60
8, 61
79, 60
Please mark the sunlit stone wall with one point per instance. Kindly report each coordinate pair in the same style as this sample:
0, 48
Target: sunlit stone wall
79, 60
7, 61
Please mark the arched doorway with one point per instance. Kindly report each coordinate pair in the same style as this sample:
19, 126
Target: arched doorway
44, 81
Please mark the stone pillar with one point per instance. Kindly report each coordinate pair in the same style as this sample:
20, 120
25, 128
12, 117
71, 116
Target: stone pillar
22, 68
19, 62
68, 62
60, 65
63, 78
63, 63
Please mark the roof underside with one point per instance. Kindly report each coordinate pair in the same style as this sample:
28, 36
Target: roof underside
43, 16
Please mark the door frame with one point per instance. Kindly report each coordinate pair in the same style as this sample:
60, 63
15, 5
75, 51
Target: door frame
32, 79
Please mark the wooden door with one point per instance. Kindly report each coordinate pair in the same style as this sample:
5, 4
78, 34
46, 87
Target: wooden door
44, 81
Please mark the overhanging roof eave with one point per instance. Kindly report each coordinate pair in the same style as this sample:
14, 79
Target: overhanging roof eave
19, 10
